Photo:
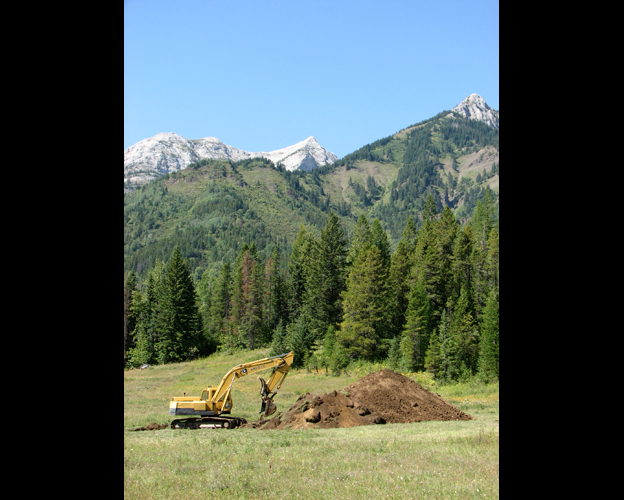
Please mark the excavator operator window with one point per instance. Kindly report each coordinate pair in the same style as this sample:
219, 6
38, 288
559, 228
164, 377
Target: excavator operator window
204, 395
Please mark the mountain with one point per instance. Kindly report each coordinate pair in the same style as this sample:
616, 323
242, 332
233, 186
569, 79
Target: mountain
168, 152
214, 206
475, 108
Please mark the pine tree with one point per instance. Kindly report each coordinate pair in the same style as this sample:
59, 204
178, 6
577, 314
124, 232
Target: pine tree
379, 238
326, 279
464, 340
488, 357
364, 305
446, 228
492, 260
301, 340
298, 271
483, 223
430, 209
328, 347
398, 281
483, 219
235, 334
418, 327
130, 286
274, 307
361, 236
144, 307
205, 291
220, 307
251, 299
462, 265
279, 344
178, 318
394, 354
443, 349
433, 361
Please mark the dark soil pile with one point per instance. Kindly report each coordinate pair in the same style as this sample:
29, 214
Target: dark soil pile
380, 397
399, 399
321, 412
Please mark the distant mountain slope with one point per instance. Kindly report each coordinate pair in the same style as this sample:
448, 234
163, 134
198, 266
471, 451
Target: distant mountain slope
212, 207
167, 152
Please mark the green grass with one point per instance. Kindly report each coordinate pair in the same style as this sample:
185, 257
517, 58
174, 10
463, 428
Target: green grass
421, 460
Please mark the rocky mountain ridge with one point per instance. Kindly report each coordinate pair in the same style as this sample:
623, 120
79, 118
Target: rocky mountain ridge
475, 107
168, 152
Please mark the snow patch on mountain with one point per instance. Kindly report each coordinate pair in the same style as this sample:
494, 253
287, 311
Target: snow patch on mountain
168, 152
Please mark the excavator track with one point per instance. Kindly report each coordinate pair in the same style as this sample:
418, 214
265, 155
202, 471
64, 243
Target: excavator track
207, 423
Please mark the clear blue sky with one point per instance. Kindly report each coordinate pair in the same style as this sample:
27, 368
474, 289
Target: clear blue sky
261, 75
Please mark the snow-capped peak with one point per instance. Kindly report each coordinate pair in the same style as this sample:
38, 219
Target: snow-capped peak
169, 152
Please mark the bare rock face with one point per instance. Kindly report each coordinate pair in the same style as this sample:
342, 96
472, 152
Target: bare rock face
475, 108
167, 152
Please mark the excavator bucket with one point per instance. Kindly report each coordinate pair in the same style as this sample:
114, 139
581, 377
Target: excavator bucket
268, 406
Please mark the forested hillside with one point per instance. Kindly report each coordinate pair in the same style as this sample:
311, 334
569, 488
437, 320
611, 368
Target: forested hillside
390, 253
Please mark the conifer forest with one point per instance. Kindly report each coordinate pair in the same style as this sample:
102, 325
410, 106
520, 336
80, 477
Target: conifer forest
405, 273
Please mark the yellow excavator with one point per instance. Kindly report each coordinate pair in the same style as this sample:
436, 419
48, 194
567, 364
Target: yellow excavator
208, 409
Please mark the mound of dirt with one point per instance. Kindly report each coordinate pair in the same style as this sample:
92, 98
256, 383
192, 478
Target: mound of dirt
322, 412
383, 396
399, 399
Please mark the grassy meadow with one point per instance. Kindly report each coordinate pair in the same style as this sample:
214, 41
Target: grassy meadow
402, 461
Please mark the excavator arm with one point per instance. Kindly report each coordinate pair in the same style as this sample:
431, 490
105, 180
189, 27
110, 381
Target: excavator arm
281, 364
269, 389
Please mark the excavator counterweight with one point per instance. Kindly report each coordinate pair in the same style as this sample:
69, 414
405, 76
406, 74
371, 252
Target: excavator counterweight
209, 410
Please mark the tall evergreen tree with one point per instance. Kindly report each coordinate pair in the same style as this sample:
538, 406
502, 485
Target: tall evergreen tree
205, 291
446, 228
144, 308
462, 264
492, 260
274, 300
178, 318
326, 281
418, 327
483, 223
328, 347
379, 238
483, 219
360, 237
430, 209
364, 305
130, 286
489, 342
441, 358
399, 284
301, 340
298, 271
251, 300
279, 344
220, 307
394, 355
464, 341
235, 335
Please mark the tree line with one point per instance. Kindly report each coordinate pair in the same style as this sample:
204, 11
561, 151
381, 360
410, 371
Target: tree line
432, 304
